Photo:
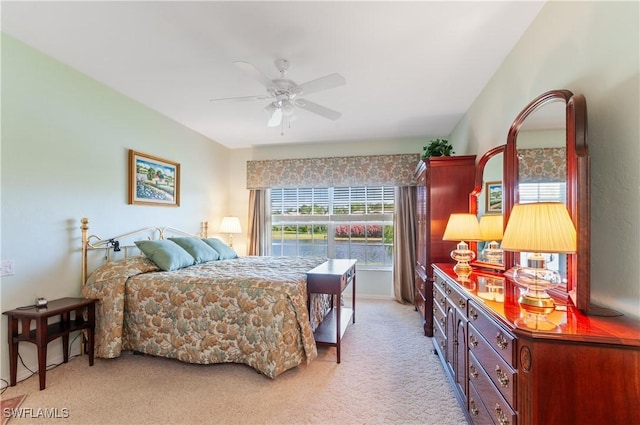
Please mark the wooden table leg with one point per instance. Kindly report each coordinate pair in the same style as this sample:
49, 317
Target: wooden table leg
338, 314
41, 343
13, 350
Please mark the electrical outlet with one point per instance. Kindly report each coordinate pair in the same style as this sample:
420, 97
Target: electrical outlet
6, 267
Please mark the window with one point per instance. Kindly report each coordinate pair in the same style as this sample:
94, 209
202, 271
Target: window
334, 222
545, 192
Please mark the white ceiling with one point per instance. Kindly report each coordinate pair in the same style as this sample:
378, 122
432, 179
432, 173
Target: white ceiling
412, 69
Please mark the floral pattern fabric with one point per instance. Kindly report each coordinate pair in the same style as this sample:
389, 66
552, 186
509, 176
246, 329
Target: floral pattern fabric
542, 165
383, 170
250, 310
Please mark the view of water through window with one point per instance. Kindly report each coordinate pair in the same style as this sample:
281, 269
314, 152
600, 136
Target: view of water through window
348, 222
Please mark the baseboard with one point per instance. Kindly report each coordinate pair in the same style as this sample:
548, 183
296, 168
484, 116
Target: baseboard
368, 297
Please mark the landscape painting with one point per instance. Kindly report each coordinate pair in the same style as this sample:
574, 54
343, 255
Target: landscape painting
153, 180
493, 200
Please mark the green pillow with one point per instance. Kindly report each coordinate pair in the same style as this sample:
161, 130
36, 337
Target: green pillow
165, 254
225, 251
199, 250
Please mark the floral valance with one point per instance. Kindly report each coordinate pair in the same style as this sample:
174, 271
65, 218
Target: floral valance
542, 165
384, 170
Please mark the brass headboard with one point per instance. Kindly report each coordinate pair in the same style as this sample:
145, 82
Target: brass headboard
110, 245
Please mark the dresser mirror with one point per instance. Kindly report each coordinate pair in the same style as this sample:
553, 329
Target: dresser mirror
485, 201
546, 159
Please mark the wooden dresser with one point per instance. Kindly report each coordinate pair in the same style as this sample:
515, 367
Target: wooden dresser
443, 188
575, 370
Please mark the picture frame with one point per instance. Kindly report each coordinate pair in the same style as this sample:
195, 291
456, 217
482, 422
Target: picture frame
493, 197
153, 180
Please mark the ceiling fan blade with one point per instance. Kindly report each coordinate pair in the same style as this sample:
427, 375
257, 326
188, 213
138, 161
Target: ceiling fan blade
255, 73
276, 118
241, 98
318, 109
323, 83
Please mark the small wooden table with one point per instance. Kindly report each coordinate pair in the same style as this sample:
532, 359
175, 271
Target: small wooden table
45, 332
332, 277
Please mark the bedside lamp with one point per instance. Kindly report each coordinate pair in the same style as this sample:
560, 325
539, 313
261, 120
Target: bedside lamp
230, 225
491, 228
538, 228
462, 227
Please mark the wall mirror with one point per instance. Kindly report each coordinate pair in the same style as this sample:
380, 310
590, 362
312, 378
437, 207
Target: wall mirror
486, 201
546, 158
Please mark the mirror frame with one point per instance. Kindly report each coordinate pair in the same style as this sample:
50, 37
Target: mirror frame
473, 201
578, 188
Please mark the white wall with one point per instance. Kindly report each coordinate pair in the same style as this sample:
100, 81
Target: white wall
591, 48
65, 140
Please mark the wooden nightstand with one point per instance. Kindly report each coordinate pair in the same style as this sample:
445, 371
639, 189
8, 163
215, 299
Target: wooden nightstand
45, 332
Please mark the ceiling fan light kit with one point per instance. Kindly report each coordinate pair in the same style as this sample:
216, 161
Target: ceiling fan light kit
284, 93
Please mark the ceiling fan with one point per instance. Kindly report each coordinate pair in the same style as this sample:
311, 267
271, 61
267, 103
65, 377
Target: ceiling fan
284, 94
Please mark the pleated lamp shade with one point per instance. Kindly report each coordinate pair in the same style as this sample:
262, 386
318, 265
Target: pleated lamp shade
543, 227
462, 227
230, 225
491, 227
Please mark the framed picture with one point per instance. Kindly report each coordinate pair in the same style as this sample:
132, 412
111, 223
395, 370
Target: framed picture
493, 197
153, 180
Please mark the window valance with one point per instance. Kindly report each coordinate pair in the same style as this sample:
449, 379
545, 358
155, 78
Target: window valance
382, 170
542, 165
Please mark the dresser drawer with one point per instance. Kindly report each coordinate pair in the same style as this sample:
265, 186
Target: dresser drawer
439, 316
439, 282
497, 407
458, 298
439, 299
497, 337
477, 410
495, 368
421, 304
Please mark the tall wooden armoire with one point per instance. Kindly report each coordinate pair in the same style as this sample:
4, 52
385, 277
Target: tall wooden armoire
444, 184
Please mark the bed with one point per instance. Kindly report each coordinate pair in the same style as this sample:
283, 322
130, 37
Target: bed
251, 310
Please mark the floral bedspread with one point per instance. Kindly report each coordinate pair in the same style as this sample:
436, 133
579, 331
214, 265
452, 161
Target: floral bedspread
250, 310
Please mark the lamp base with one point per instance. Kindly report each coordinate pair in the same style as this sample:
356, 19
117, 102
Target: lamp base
463, 270
537, 307
536, 303
462, 254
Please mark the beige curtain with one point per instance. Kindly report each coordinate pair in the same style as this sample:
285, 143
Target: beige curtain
404, 242
259, 242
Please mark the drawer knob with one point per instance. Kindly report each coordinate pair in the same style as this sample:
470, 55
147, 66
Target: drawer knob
442, 321
473, 409
502, 418
473, 314
502, 341
473, 342
473, 371
462, 304
448, 291
502, 377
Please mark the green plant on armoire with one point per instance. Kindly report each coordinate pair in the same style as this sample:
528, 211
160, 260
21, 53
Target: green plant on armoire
437, 147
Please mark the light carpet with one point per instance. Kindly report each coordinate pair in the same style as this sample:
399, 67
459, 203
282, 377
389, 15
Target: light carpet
387, 375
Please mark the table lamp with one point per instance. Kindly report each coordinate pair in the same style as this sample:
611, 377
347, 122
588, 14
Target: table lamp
491, 228
230, 225
462, 227
538, 228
